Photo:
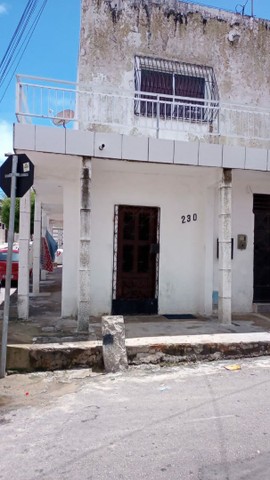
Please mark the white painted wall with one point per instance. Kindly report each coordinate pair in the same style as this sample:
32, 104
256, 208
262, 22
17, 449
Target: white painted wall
188, 271
245, 184
184, 248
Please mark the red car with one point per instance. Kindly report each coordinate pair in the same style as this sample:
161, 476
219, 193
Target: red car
15, 265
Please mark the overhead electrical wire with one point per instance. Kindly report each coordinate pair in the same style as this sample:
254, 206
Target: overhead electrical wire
19, 41
17, 35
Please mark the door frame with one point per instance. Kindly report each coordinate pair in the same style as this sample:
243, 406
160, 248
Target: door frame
261, 205
153, 309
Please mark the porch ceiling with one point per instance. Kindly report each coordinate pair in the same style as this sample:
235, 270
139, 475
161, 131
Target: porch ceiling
52, 173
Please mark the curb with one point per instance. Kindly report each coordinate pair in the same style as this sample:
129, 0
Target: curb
162, 350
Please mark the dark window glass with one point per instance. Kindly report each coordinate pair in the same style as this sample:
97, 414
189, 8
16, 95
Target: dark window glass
129, 226
128, 255
171, 84
186, 86
143, 258
194, 87
156, 82
144, 226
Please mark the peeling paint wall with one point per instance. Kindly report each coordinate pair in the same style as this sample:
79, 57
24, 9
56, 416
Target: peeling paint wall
114, 31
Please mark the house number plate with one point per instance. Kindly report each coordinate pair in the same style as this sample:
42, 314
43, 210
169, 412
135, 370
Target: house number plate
189, 218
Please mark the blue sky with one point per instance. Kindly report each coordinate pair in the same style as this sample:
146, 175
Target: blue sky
53, 49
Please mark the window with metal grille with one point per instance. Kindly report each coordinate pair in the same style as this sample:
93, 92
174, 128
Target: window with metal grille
175, 90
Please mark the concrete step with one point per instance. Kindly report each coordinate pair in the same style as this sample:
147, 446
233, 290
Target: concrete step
261, 307
150, 350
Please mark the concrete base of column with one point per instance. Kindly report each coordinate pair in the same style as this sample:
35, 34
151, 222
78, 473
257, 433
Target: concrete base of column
23, 307
83, 317
225, 311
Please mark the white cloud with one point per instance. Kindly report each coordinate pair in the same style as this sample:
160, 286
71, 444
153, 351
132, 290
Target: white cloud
3, 8
6, 139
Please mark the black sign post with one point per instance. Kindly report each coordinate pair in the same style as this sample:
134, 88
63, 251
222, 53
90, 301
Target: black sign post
16, 178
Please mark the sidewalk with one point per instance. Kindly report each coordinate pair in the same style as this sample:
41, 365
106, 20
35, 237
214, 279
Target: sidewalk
47, 341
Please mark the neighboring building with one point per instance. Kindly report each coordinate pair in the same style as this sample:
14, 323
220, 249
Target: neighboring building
169, 167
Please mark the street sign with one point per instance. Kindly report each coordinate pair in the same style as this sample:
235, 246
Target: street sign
24, 174
16, 178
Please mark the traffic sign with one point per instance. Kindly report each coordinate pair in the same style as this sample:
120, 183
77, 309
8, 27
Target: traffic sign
25, 175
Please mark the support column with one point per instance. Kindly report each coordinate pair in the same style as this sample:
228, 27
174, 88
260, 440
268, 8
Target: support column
24, 244
84, 262
36, 247
71, 239
208, 250
225, 234
43, 274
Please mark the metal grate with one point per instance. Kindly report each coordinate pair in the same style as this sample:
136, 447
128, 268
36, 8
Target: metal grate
187, 72
174, 90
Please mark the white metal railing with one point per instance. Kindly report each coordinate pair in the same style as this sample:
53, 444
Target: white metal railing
45, 99
50, 101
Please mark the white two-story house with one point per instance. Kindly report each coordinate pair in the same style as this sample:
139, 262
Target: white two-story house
157, 160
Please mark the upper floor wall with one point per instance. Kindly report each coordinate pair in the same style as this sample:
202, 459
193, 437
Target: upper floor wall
117, 38
235, 46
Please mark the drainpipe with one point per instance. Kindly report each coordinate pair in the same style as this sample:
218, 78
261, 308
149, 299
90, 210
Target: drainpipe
225, 234
24, 239
84, 265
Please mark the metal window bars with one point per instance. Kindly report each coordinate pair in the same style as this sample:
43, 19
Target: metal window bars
177, 80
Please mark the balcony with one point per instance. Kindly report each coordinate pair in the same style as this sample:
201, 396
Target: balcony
58, 103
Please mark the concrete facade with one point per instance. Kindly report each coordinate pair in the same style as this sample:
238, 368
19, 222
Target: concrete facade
114, 33
118, 157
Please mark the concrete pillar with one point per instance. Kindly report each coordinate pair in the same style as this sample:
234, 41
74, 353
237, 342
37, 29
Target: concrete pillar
84, 265
36, 246
208, 249
225, 235
71, 236
43, 273
24, 239
114, 345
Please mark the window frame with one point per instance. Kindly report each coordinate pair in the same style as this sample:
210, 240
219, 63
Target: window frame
179, 107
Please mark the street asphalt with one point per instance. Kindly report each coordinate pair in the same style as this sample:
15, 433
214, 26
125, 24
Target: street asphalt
188, 422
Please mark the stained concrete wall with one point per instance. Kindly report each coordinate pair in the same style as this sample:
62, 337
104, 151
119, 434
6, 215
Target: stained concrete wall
113, 32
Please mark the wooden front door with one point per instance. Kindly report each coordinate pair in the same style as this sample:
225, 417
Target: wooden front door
137, 259
261, 209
